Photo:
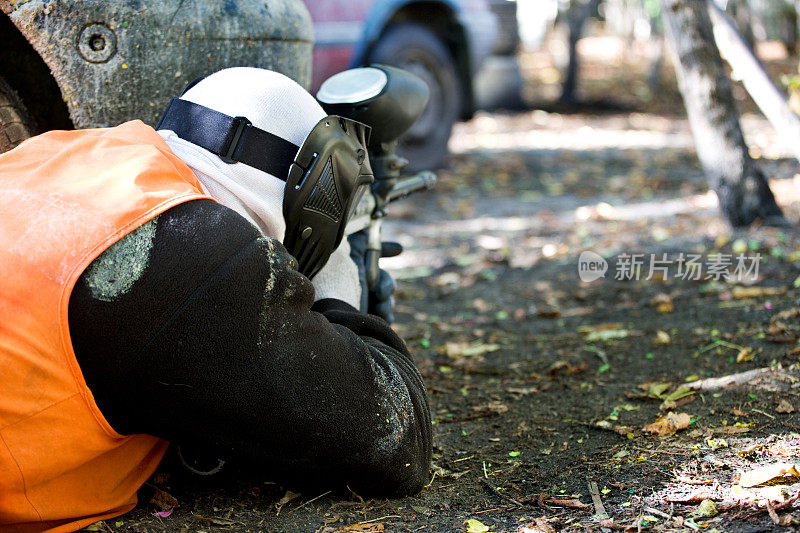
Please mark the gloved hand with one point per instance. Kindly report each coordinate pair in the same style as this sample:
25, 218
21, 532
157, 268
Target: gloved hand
380, 300
340, 278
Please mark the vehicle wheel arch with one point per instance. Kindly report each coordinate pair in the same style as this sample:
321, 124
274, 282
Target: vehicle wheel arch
440, 16
27, 73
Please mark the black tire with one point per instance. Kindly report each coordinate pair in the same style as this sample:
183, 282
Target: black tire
16, 123
419, 50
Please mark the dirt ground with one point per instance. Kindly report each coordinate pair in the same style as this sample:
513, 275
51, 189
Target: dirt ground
562, 404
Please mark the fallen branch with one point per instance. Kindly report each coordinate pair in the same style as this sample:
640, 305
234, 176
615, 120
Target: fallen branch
500, 494
712, 384
599, 509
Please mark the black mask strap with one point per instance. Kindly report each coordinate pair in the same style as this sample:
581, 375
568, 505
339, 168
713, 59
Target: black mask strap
233, 139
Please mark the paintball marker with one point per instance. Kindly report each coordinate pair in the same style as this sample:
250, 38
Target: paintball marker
388, 100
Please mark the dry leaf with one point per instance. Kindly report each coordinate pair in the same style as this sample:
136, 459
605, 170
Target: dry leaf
97, 526
541, 525
163, 500
464, 349
665, 307
745, 354
666, 425
476, 526
662, 338
572, 504
785, 407
622, 430
569, 368
289, 496
706, 509
764, 474
492, 408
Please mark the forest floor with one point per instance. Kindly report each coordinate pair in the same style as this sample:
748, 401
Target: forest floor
562, 404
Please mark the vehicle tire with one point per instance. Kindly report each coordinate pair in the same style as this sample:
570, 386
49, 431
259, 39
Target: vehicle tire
16, 124
420, 51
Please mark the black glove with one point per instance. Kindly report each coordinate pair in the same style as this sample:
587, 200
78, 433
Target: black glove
378, 300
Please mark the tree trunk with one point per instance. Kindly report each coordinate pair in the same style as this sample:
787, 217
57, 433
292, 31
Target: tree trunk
740, 11
579, 11
743, 192
746, 66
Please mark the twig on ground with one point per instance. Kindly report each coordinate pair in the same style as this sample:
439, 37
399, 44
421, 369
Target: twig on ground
311, 500
500, 494
661, 451
653, 510
599, 510
726, 381
380, 518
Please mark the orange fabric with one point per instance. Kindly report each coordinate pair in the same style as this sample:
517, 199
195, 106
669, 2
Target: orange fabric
65, 197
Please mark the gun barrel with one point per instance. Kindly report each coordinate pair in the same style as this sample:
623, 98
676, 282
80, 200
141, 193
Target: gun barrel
363, 215
418, 182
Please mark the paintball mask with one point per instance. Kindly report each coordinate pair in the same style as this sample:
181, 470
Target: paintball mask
325, 177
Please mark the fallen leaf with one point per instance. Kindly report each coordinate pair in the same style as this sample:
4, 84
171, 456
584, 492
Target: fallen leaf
666, 425
572, 504
609, 523
464, 349
656, 389
662, 338
706, 509
476, 526
784, 407
745, 354
764, 474
289, 496
97, 526
539, 526
567, 367
681, 392
622, 430
492, 408
163, 500
163, 514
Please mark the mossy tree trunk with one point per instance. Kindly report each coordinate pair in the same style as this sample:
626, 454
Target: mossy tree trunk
741, 186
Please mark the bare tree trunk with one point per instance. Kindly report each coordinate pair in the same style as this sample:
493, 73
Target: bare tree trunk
743, 192
742, 14
579, 11
746, 66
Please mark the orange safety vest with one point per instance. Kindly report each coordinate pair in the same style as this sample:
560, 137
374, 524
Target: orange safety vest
65, 197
